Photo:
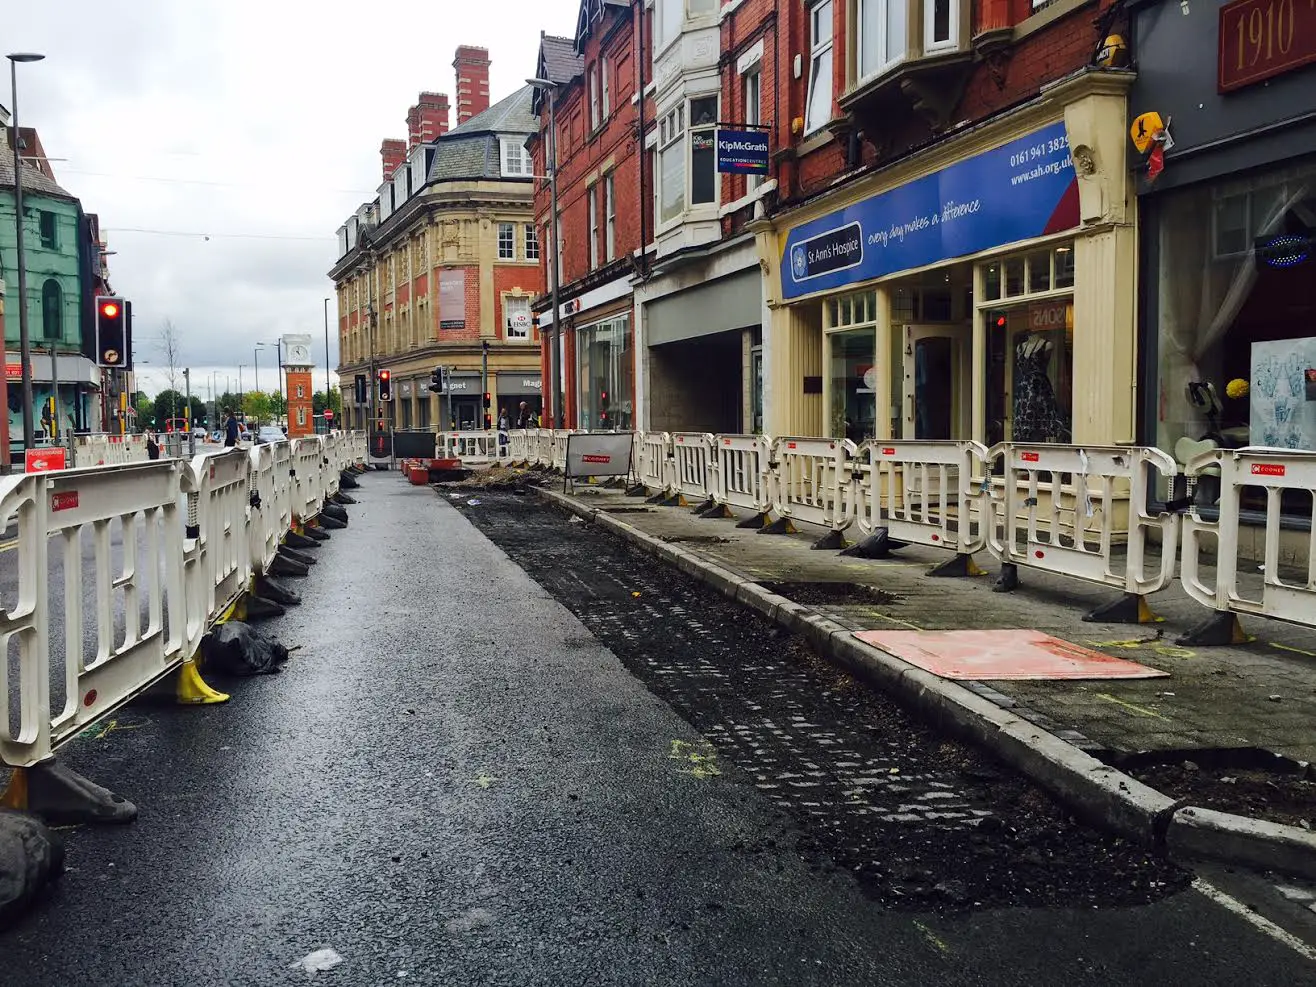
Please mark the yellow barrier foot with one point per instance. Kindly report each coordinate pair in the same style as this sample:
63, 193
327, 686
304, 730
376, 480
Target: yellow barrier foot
781, 526
960, 565
62, 797
192, 689
1131, 608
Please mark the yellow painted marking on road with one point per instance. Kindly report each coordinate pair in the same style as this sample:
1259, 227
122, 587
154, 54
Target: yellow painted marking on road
102, 730
1140, 710
1296, 651
8, 546
1136, 642
701, 757
894, 620
931, 937
1174, 651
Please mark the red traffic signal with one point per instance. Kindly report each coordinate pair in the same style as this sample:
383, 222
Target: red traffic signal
488, 400
385, 385
110, 310
113, 332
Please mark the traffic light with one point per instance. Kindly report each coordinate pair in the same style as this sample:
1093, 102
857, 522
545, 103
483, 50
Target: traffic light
488, 400
112, 339
436, 380
386, 385
360, 384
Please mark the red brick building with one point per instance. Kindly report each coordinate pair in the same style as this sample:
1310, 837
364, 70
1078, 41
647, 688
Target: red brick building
594, 103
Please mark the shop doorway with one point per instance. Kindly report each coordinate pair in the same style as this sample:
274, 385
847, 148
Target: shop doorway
937, 370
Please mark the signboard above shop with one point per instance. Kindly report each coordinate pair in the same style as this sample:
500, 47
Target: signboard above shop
1260, 39
742, 152
1019, 191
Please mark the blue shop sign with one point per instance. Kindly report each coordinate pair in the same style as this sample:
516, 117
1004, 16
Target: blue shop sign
1018, 191
742, 152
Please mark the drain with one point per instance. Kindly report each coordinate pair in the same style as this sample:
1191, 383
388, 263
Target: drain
832, 593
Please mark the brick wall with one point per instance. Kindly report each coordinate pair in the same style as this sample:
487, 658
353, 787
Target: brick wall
471, 331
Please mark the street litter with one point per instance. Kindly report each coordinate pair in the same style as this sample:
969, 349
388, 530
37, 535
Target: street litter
574, 520
318, 962
473, 502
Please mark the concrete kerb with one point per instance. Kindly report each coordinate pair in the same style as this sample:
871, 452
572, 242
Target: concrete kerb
1097, 792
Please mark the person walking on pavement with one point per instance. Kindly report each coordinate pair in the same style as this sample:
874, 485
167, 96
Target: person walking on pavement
503, 425
523, 417
230, 428
152, 446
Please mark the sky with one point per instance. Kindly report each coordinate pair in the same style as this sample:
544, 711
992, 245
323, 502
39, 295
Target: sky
241, 134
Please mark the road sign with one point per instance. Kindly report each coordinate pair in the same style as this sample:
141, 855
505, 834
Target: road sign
44, 460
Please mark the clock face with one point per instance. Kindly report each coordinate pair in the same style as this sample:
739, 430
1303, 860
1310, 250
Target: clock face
298, 354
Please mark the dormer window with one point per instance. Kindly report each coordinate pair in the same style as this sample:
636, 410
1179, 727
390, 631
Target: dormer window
516, 159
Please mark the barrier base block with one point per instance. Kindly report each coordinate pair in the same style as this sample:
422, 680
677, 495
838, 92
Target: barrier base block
704, 505
296, 556
300, 540
1222, 627
342, 499
311, 531
347, 480
657, 498
675, 500
754, 521
878, 545
284, 566
1008, 580
781, 526
255, 607
192, 689
959, 566
331, 522
718, 511
62, 797
831, 540
334, 511
272, 589
1131, 608
639, 490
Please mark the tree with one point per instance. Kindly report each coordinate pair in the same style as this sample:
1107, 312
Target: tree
335, 402
145, 409
199, 412
169, 352
257, 405
169, 404
226, 400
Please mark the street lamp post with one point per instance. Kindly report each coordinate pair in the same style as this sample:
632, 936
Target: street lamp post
549, 88
327, 402
255, 358
24, 339
278, 375
240, 366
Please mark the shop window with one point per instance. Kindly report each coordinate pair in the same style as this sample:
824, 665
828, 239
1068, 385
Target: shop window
1236, 317
850, 327
819, 108
605, 371
1040, 271
506, 241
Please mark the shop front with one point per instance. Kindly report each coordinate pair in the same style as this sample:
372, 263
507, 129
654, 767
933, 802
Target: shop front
515, 388
957, 294
1229, 246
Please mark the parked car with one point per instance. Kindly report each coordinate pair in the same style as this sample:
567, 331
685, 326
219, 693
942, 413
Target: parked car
269, 433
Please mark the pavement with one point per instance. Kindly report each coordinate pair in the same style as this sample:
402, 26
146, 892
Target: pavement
455, 781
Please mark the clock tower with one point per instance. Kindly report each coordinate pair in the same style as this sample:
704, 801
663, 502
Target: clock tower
297, 384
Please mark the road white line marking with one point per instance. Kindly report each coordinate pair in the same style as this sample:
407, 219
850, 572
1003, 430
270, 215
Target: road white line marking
1262, 923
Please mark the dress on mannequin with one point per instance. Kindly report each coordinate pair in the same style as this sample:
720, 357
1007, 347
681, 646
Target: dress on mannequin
1037, 416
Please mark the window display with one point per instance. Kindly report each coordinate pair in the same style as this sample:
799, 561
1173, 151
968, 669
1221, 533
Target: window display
1236, 334
606, 375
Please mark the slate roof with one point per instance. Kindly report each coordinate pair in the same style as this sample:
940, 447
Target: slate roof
558, 61
472, 150
33, 179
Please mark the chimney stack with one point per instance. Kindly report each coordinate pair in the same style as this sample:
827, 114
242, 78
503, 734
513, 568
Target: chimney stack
431, 116
394, 152
472, 65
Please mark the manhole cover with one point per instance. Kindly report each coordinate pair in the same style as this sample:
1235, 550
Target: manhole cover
833, 593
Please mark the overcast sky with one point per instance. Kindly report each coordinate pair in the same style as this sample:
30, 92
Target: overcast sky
255, 123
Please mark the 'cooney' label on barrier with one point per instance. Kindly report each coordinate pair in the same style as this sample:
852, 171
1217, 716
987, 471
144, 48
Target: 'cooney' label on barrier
64, 501
596, 459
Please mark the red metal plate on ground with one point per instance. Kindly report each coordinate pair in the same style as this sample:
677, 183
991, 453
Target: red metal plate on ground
1003, 654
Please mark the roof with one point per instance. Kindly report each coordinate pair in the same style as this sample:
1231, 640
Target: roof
33, 179
558, 62
473, 150
591, 12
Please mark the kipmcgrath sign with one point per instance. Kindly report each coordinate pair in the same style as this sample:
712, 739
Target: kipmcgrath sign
742, 152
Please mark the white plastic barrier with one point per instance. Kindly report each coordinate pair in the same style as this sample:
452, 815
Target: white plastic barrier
1094, 498
693, 471
559, 460
308, 475
219, 509
811, 481
1273, 472
924, 493
655, 462
741, 472
102, 449
264, 530
517, 449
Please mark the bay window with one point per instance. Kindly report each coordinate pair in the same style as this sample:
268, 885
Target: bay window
703, 144
671, 165
667, 15
941, 28
819, 107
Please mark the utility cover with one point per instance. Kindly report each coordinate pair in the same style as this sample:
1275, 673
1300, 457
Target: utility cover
1003, 654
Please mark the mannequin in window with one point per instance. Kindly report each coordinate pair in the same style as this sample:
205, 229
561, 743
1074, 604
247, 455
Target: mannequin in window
1037, 416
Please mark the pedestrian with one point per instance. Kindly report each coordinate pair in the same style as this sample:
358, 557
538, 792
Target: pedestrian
230, 428
152, 446
503, 426
523, 418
